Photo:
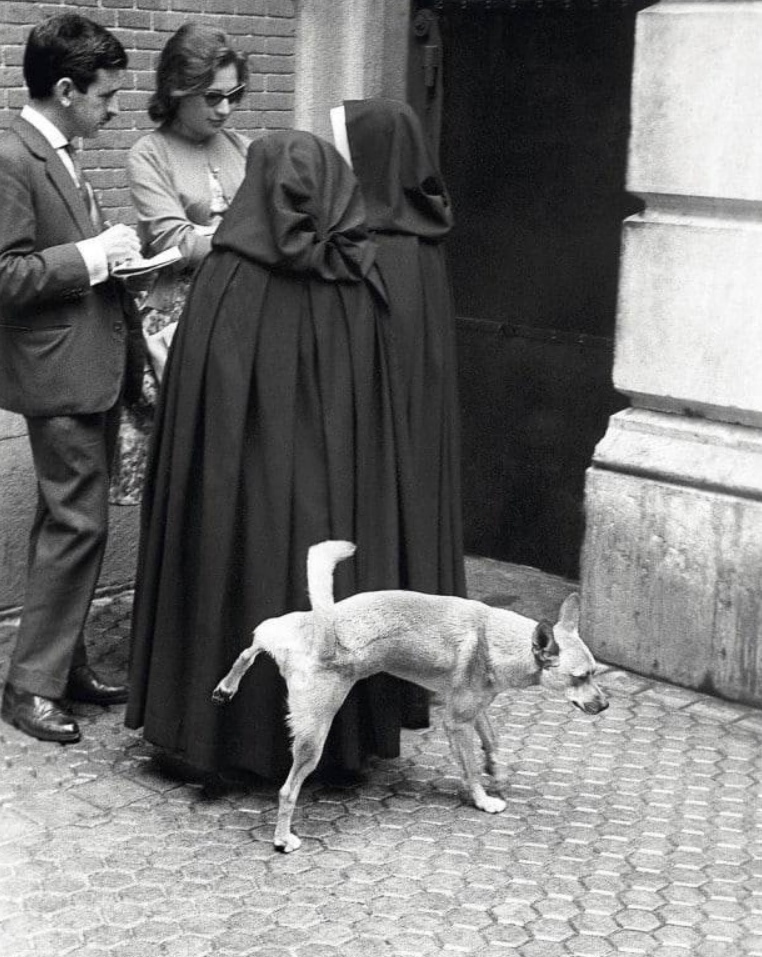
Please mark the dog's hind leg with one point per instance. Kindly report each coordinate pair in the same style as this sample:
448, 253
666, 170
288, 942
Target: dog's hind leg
459, 728
229, 684
312, 708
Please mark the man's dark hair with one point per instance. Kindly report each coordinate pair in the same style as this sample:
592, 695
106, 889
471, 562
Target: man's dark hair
70, 45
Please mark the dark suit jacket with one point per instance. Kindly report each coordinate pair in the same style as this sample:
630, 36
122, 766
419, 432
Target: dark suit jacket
63, 343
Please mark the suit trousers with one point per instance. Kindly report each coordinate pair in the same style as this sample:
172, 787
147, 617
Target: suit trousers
72, 457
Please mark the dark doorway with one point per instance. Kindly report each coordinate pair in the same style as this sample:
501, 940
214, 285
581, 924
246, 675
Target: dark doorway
534, 117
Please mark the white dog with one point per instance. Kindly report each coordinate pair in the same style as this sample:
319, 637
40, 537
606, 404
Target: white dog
464, 650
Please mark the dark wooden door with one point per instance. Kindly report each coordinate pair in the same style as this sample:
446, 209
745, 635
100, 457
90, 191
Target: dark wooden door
533, 125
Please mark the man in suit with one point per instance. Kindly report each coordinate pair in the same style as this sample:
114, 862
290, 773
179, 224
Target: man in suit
66, 327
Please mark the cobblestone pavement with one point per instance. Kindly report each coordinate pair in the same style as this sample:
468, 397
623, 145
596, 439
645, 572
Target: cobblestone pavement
638, 831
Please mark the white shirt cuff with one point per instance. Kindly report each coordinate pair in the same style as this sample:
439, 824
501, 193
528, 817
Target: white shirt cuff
95, 258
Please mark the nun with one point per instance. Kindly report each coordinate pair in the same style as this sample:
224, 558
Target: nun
277, 428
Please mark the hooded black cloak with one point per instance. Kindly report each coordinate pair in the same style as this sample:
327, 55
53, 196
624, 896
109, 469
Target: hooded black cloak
408, 210
275, 430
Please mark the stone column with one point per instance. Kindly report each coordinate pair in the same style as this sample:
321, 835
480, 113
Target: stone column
672, 558
348, 49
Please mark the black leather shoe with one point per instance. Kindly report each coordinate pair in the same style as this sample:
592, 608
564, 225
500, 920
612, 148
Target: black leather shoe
42, 718
84, 685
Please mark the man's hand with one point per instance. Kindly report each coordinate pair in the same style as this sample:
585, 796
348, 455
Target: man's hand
120, 243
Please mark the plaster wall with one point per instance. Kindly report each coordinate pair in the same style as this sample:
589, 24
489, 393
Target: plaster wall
687, 340
347, 49
674, 552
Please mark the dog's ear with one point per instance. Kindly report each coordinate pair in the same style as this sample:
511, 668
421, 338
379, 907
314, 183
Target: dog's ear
568, 616
544, 647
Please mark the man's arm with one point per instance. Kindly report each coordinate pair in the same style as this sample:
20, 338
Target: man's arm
30, 276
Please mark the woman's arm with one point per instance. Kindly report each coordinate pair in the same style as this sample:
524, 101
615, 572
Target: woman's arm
162, 220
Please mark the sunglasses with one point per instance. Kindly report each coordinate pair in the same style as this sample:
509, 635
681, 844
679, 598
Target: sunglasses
215, 97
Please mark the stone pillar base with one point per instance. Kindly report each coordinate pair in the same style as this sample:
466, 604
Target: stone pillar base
672, 558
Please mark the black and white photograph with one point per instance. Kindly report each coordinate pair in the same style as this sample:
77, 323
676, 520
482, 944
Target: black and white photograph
380, 478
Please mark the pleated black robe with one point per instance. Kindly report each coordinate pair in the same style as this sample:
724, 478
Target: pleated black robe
275, 429
409, 213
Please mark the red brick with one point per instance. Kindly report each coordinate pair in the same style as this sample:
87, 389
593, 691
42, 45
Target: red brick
20, 13
11, 76
276, 121
280, 83
272, 64
246, 120
280, 46
276, 27
137, 19
272, 101
143, 39
122, 214
280, 8
163, 20
236, 26
252, 8
106, 179
201, 6
250, 44
145, 81
255, 83
132, 101
15, 34
116, 197
141, 60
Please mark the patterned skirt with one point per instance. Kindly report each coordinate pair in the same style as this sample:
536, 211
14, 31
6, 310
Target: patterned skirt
136, 419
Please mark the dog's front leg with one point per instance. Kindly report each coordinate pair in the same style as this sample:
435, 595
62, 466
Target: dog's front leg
488, 738
459, 729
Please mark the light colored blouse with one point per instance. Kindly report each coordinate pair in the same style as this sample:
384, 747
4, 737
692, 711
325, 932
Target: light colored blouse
173, 182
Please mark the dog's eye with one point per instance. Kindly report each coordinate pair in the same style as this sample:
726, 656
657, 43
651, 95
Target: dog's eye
581, 679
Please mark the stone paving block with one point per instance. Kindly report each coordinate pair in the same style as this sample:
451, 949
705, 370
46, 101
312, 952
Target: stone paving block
590, 947
14, 826
264, 950
542, 948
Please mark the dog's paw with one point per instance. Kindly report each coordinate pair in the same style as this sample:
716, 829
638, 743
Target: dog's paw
287, 844
491, 805
221, 695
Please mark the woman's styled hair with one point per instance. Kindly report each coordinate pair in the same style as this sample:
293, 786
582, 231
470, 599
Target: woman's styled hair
69, 45
187, 64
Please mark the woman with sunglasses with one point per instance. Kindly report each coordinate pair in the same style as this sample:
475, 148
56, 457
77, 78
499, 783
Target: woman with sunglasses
182, 176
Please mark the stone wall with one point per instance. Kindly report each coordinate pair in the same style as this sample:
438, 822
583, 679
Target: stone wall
672, 560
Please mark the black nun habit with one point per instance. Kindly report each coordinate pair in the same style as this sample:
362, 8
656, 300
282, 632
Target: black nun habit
409, 213
275, 430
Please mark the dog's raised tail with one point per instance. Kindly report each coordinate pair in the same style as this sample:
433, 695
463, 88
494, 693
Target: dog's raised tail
322, 559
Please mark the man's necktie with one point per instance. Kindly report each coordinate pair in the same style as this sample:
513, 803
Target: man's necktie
86, 190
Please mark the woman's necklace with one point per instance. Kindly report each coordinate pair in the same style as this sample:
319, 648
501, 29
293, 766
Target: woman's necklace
219, 202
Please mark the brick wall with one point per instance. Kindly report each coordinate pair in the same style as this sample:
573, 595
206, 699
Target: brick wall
263, 29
